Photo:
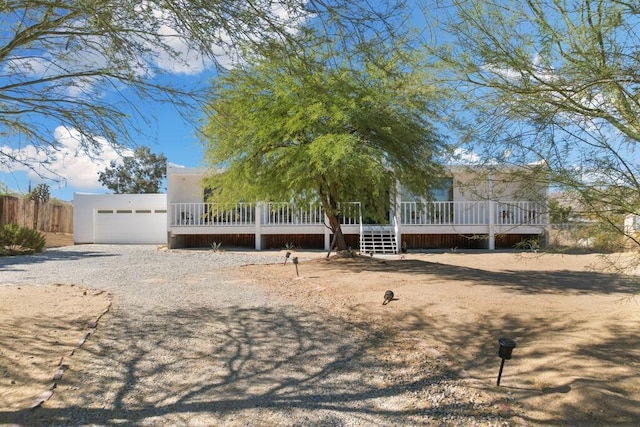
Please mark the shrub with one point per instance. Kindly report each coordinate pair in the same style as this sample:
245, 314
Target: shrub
530, 245
16, 240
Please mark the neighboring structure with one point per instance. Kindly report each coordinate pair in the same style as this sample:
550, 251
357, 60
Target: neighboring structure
471, 211
120, 218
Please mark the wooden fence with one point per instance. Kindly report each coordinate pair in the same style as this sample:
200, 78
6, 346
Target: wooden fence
45, 217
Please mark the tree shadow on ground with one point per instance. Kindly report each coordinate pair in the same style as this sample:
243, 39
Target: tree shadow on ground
523, 281
218, 366
50, 255
554, 381
567, 369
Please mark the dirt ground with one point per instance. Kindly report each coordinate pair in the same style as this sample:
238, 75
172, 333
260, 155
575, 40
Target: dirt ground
40, 329
56, 240
574, 322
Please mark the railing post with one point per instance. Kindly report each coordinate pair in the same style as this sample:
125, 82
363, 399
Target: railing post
492, 232
327, 234
258, 225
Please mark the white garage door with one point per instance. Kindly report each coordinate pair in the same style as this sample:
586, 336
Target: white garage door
134, 226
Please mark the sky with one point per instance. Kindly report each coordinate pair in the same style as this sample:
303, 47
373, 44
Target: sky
168, 133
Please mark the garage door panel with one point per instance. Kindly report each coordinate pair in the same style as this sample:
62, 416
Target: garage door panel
130, 226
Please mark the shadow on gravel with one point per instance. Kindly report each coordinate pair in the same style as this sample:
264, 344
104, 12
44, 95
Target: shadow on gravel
51, 255
239, 365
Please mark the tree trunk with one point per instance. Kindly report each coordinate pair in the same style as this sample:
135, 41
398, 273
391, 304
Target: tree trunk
330, 206
338, 242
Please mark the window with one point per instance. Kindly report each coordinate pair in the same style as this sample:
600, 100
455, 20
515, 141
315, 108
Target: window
443, 192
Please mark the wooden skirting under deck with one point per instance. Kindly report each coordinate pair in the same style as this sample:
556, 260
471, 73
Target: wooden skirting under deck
316, 241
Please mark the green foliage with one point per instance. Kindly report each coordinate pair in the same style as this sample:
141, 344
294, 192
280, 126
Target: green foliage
552, 83
16, 240
141, 173
314, 126
529, 245
559, 214
88, 65
215, 246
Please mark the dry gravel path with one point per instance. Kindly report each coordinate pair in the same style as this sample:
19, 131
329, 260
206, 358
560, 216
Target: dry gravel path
188, 343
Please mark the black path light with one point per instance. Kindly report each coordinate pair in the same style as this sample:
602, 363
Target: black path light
506, 347
286, 256
295, 262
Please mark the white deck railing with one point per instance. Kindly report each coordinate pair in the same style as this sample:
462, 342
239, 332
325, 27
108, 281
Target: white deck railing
511, 213
246, 214
211, 214
517, 213
471, 213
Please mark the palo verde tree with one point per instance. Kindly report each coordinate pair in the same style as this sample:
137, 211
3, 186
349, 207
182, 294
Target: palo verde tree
317, 125
88, 65
82, 65
554, 83
142, 172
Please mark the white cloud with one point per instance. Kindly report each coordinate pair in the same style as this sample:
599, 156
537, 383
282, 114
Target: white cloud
465, 157
184, 59
70, 164
179, 57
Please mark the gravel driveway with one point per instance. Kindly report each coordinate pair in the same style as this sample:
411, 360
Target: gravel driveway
187, 343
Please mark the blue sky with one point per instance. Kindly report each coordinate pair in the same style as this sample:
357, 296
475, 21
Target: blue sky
71, 170
169, 134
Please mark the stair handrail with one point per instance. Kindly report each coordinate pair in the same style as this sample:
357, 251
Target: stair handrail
361, 228
396, 230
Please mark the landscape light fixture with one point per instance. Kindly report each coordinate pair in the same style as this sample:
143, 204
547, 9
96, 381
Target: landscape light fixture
295, 262
506, 347
286, 256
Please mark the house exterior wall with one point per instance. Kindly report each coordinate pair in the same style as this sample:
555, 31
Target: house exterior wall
184, 185
512, 183
120, 218
483, 209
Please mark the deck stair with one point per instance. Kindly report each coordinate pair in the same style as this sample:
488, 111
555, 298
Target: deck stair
378, 239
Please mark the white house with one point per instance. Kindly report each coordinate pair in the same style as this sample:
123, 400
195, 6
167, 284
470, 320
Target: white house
473, 210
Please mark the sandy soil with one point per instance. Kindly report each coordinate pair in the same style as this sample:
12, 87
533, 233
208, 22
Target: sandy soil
56, 240
40, 329
575, 324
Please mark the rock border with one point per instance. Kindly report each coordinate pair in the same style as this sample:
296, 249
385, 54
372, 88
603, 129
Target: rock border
63, 366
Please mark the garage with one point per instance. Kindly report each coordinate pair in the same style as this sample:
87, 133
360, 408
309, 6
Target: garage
120, 218
142, 226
